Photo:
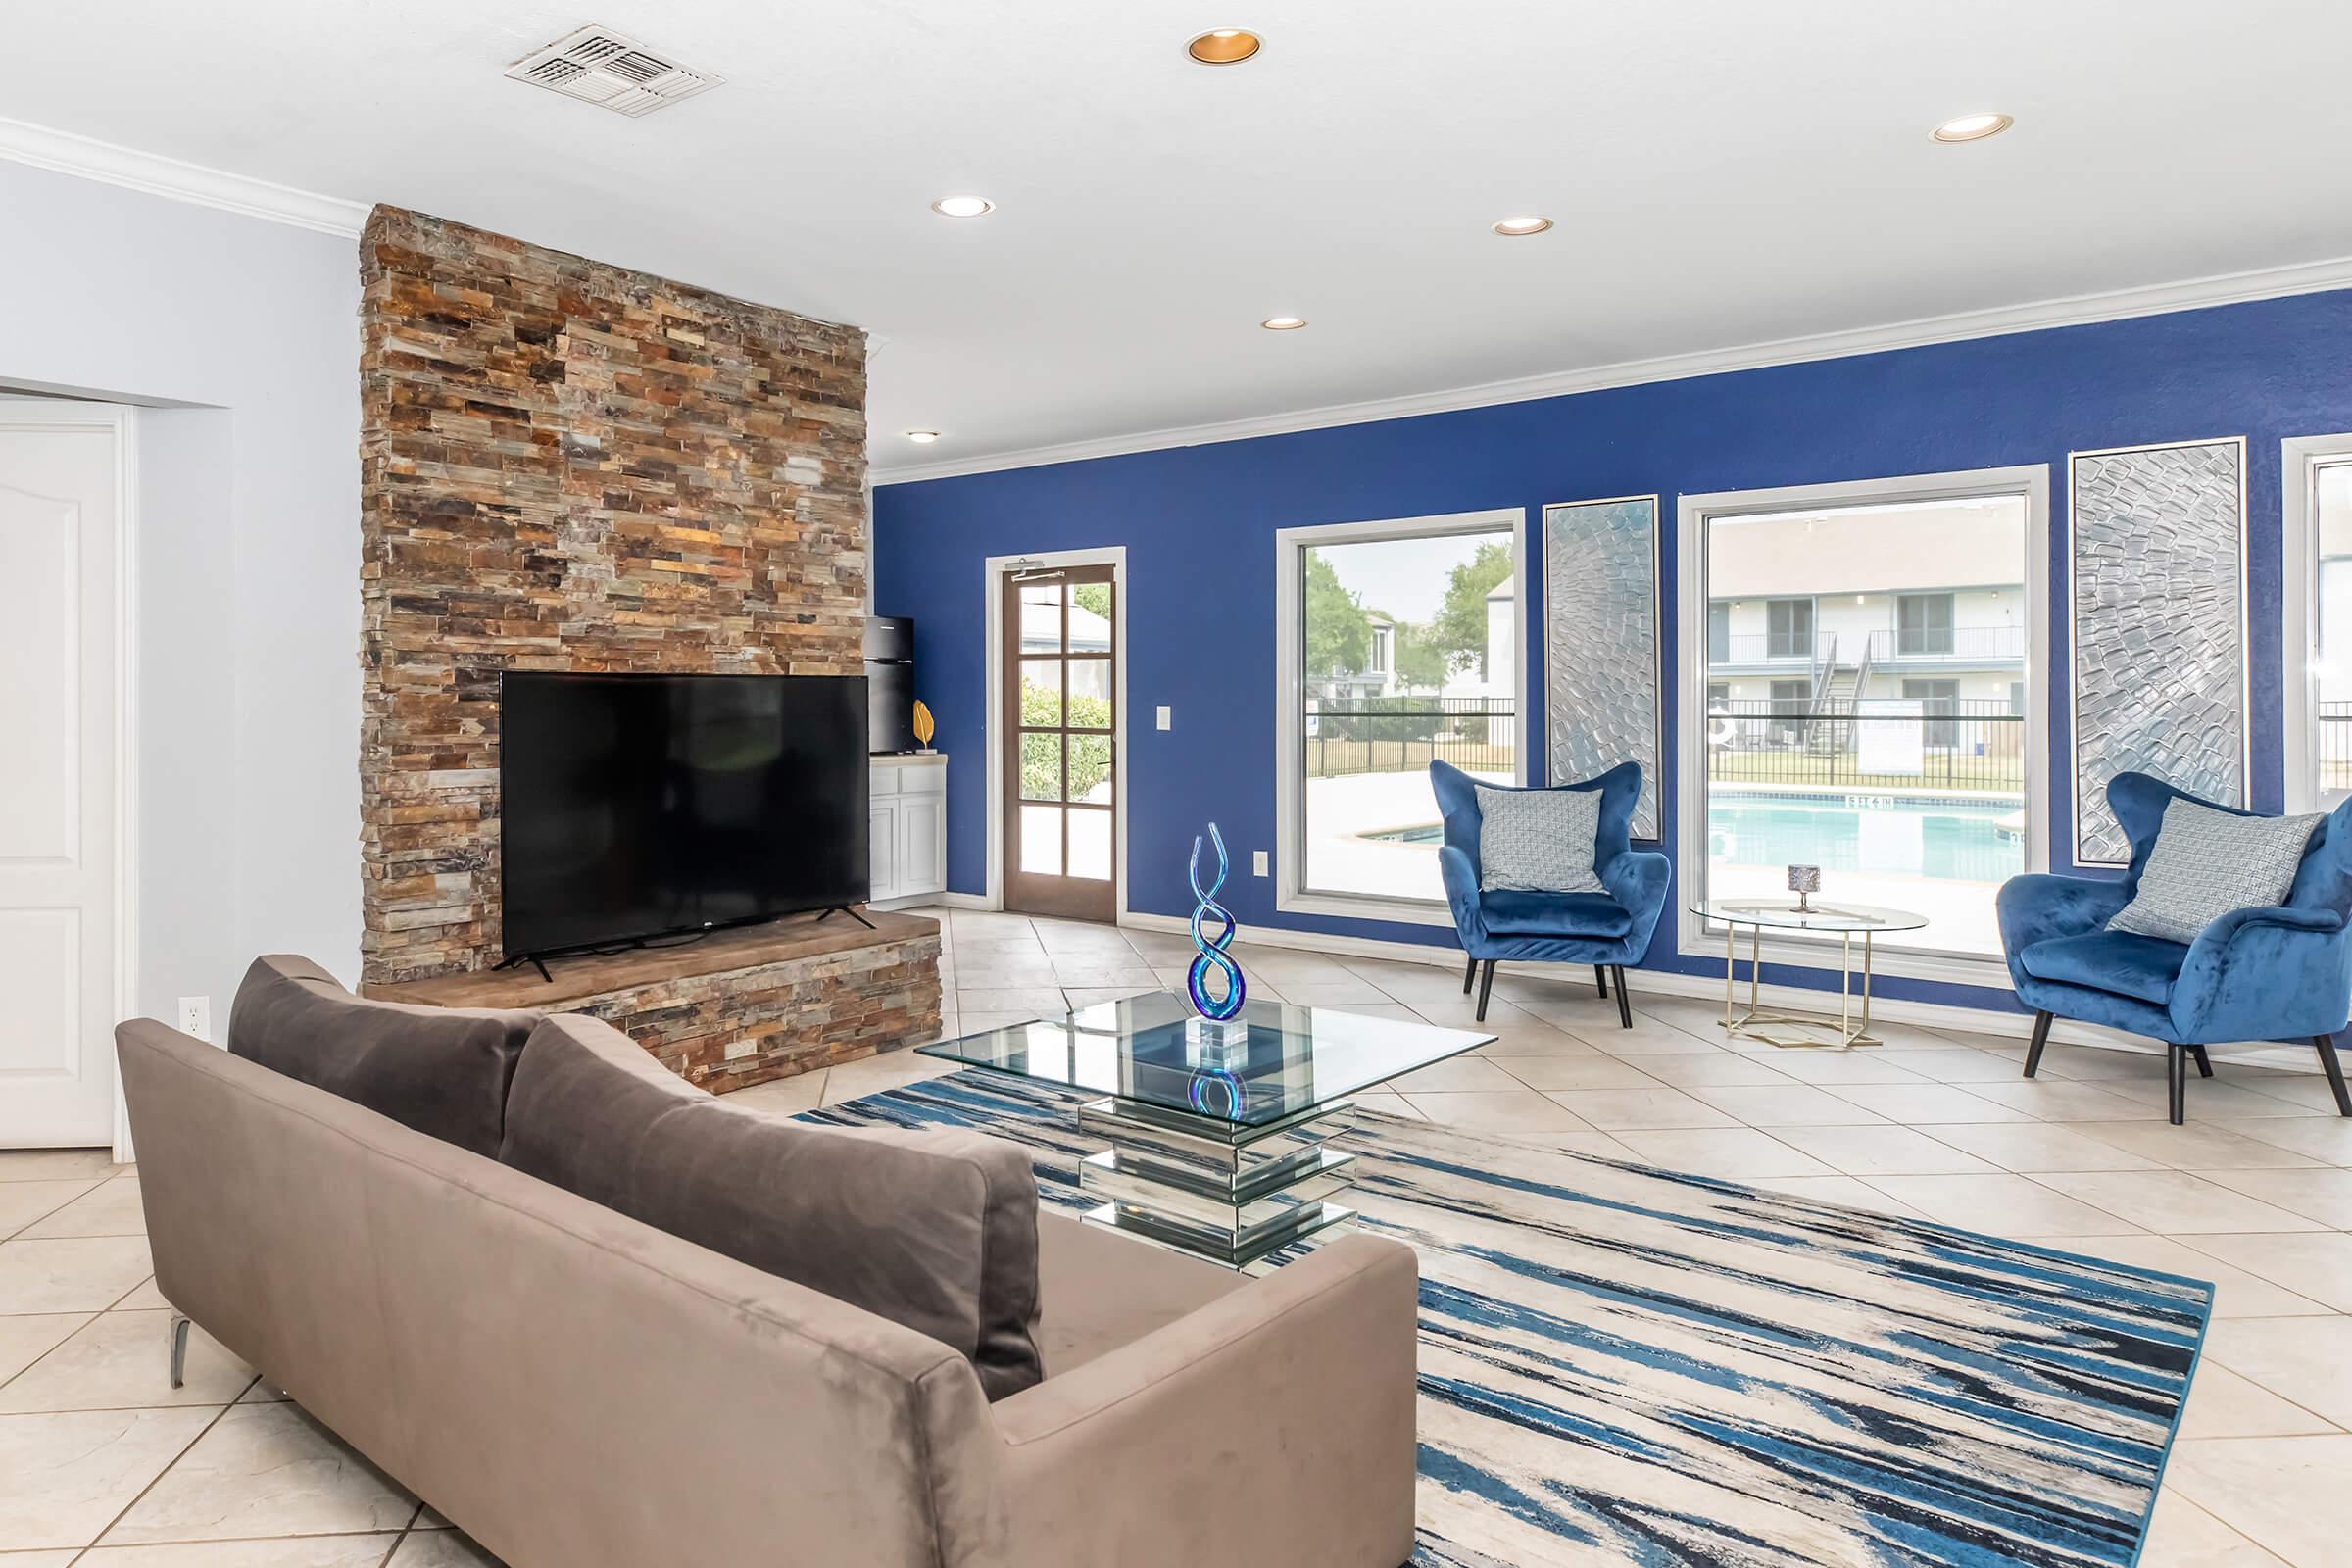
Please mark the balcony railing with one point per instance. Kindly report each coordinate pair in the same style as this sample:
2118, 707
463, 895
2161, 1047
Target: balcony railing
1888, 643
2335, 746
1949, 642
1957, 744
1401, 734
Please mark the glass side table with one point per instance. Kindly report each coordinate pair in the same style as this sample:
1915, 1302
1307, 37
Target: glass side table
1792, 1030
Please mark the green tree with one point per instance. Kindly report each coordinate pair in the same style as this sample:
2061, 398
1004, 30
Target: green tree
1094, 596
1339, 634
1459, 632
1421, 664
1041, 755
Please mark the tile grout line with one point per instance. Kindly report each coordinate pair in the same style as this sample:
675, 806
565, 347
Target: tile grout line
156, 1479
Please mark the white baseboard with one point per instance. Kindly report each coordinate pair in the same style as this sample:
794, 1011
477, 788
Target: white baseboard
1898, 1010
961, 900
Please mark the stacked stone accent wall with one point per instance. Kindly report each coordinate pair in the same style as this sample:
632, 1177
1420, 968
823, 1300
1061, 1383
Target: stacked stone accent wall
569, 465
746, 1026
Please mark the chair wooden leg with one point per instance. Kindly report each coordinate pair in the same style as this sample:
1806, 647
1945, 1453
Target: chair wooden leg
2336, 1073
2041, 1038
1600, 978
1625, 1007
2177, 1072
1469, 973
2204, 1063
1485, 984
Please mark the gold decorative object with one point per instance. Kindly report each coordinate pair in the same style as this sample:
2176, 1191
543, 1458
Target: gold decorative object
922, 724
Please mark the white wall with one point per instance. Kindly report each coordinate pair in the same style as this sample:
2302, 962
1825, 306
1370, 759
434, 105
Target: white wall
248, 548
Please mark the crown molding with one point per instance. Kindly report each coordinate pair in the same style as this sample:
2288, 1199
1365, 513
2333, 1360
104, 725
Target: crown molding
64, 152
2230, 289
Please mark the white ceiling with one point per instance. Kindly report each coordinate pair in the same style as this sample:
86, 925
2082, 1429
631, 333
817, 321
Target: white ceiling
1724, 172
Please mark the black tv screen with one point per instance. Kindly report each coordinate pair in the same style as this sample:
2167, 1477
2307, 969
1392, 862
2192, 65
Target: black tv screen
642, 806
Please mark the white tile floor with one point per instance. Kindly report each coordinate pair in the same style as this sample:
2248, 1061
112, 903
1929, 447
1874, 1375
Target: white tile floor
102, 1464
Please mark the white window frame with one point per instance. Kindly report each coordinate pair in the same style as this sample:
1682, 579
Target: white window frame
1290, 894
2029, 483
2301, 459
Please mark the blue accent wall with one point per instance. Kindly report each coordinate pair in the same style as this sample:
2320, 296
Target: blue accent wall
1199, 522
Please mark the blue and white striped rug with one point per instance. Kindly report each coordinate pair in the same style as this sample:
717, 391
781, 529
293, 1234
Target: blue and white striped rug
1624, 1366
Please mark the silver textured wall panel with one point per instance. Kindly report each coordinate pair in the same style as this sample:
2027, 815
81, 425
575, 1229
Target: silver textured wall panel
2157, 548
1600, 644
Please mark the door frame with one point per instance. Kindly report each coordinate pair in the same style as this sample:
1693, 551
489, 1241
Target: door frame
993, 571
119, 420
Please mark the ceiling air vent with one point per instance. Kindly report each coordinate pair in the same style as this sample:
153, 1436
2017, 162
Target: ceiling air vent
611, 71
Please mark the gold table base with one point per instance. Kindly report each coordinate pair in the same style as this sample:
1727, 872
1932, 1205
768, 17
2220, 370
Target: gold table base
1757, 1024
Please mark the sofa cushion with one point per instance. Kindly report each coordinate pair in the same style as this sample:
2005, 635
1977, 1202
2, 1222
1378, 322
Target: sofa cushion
933, 1230
2129, 965
2206, 863
1554, 914
443, 1072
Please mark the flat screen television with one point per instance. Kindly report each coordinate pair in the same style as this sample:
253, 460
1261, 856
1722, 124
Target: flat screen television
646, 806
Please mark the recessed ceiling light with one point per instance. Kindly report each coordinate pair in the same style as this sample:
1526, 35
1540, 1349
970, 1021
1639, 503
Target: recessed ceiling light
1226, 46
1283, 324
1515, 227
963, 207
922, 437
1972, 128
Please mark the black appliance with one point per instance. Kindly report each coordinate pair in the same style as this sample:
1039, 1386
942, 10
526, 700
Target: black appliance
646, 806
890, 684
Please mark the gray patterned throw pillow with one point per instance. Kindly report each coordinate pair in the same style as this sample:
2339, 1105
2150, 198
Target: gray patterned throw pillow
1537, 841
2206, 864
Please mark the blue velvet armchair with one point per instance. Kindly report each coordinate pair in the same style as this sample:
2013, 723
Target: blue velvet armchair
1606, 930
2282, 973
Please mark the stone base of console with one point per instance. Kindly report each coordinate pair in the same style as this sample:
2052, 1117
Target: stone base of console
740, 1006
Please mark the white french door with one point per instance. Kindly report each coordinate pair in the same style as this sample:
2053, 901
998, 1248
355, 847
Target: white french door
60, 696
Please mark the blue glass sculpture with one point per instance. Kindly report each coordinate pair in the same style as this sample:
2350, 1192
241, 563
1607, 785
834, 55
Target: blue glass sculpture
1212, 954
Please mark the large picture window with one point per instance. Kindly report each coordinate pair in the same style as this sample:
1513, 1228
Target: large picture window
1399, 643
1857, 692
2318, 641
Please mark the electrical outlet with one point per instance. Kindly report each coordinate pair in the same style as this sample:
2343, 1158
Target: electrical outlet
196, 1016
1166, 717
1258, 861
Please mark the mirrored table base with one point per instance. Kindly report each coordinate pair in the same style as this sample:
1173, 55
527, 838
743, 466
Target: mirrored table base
1231, 1194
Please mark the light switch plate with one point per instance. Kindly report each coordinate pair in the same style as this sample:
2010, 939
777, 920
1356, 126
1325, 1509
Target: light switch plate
1166, 717
1258, 861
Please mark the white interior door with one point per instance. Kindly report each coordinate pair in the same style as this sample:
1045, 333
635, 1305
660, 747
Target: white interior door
59, 692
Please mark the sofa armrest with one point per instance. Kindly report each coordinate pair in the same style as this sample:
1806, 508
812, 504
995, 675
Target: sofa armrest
1638, 879
1461, 893
2265, 973
1275, 1424
2038, 906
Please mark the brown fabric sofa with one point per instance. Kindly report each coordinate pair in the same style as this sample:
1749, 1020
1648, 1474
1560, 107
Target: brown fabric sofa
580, 1390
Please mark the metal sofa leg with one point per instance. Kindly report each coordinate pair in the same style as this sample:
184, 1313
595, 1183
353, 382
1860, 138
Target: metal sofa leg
2176, 1070
1600, 978
2204, 1063
180, 1348
2033, 1048
2336, 1073
1486, 983
1469, 973
1625, 1006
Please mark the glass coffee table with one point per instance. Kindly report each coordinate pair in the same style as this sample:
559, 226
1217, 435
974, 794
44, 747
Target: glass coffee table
1219, 1140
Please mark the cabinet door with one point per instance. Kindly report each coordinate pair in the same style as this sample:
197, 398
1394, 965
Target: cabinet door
923, 844
882, 846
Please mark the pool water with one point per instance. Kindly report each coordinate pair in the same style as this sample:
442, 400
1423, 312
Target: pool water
1888, 836
1953, 840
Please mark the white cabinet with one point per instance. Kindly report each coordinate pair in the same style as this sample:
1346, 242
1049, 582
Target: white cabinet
909, 844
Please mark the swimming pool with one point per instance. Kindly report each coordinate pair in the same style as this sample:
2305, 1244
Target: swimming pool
1955, 841
1889, 835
